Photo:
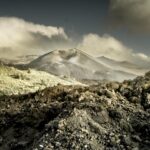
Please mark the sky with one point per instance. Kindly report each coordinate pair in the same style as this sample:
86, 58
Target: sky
126, 22
82, 16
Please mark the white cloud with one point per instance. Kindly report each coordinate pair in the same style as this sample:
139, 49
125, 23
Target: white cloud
112, 48
135, 14
142, 56
21, 37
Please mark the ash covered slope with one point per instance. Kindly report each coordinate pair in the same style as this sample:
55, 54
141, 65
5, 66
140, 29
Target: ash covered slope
107, 116
77, 64
14, 81
123, 66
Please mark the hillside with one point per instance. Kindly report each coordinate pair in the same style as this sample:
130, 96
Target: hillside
107, 116
123, 66
77, 64
14, 81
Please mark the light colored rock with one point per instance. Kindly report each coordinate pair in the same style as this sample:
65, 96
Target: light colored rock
14, 81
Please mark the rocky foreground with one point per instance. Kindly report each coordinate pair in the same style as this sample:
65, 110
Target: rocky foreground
107, 116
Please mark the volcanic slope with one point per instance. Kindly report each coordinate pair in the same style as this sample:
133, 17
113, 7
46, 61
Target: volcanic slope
123, 66
77, 64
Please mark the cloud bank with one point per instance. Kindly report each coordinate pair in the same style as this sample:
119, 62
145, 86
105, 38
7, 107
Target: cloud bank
134, 14
112, 48
21, 37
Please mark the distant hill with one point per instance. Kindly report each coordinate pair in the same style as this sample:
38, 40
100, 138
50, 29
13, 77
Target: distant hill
122, 66
79, 65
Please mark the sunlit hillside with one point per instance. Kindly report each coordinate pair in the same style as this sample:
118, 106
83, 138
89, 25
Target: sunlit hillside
14, 81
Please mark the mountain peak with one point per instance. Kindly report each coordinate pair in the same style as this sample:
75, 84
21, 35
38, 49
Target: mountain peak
77, 64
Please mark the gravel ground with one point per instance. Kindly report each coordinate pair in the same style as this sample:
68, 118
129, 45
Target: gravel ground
107, 116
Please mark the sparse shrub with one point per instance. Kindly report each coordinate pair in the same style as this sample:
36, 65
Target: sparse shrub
15, 76
29, 70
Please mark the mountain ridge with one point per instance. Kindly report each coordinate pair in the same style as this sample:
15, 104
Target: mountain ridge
58, 61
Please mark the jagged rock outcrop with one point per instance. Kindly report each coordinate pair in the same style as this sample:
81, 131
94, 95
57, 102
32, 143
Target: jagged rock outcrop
107, 116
